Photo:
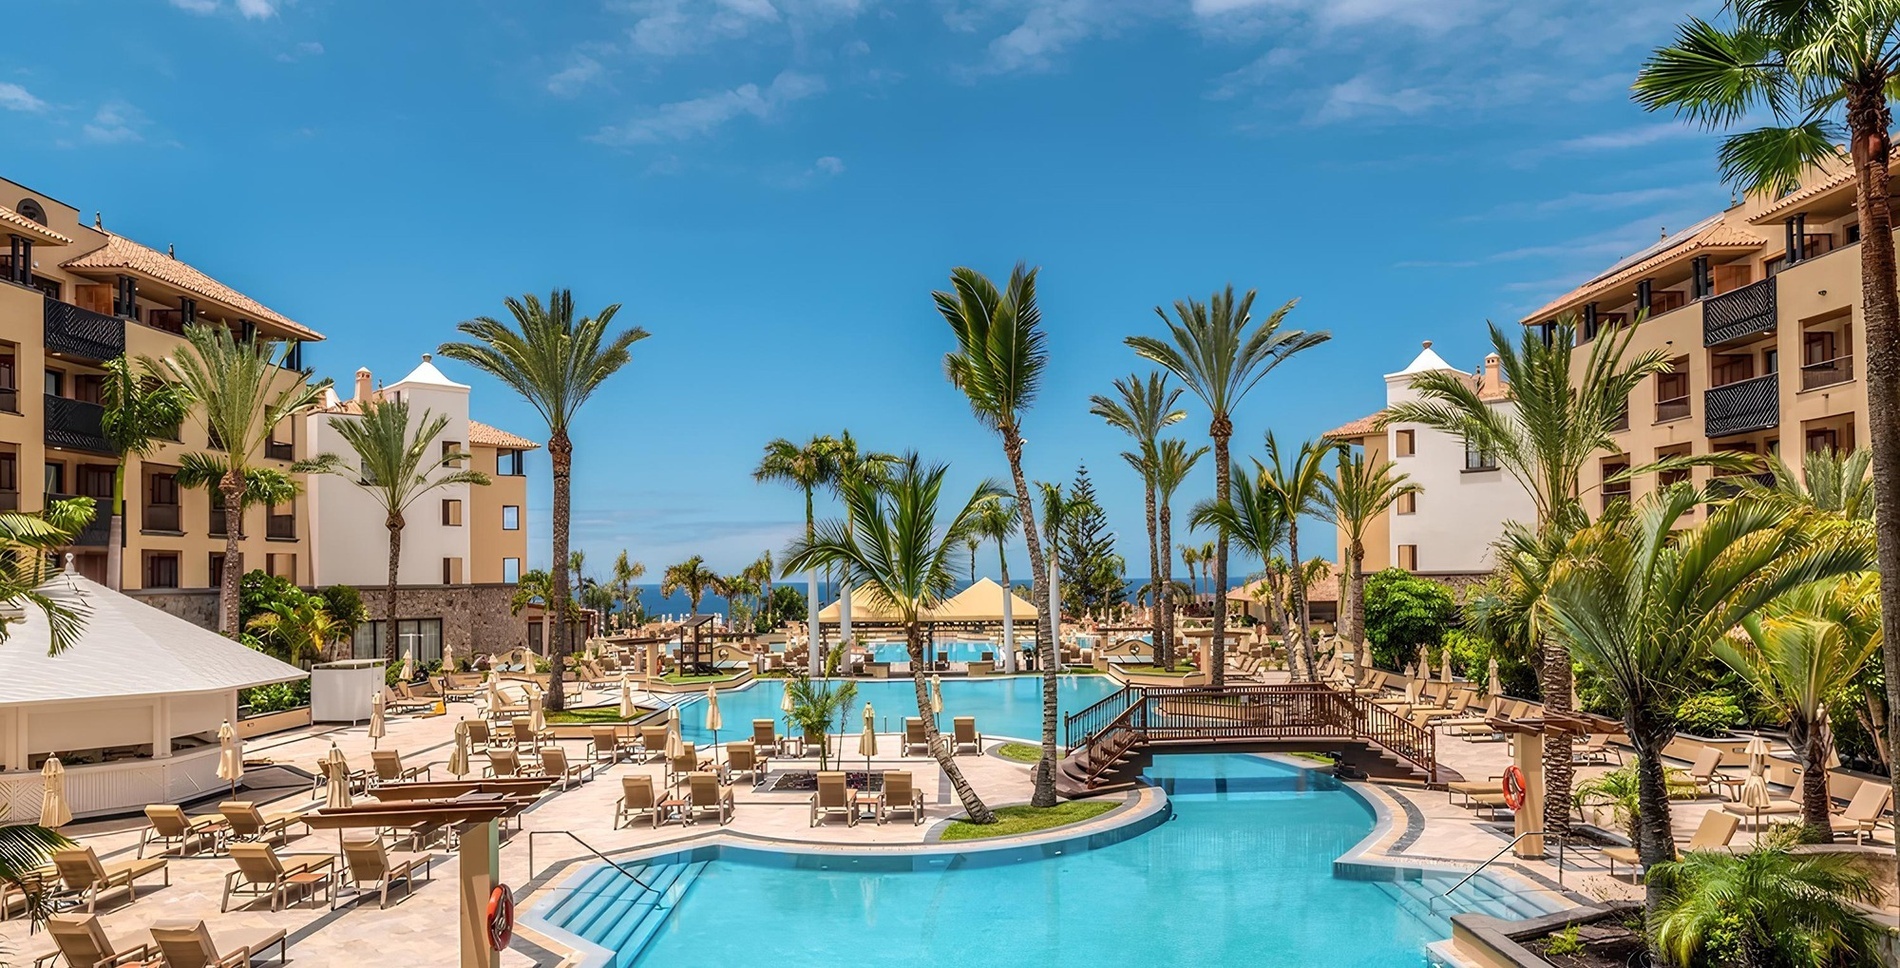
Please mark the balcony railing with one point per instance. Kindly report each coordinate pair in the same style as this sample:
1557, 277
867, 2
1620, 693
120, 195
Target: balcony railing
162, 517
75, 425
1674, 408
278, 450
96, 533
1741, 407
1826, 374
1747, 311
216, 530
1621, 423
282, 527
83, 333
9, 400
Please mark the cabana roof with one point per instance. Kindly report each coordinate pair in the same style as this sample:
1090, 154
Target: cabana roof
981, 602
127, 648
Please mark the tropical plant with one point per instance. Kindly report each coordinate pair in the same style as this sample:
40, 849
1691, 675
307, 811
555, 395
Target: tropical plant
239, 389
1191, 559
1251, 515
555, 362
300, 631
1173, 463
1218, 351
850, 464
690, 576
816, 704
1298, 484
998, 363
1642, 604
1142, 408
141, 412
24, 850
757, 578
1620, 791
28, 543
1802, 649
1358, 493
808, 468
535, 589
626, 597
1832, 482
1403, 612
345, 604
997, 522
1765, 907
397, 463
899, 548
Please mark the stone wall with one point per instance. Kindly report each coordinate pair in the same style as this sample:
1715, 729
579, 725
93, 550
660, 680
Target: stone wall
1461, 583
474, 618
198, 606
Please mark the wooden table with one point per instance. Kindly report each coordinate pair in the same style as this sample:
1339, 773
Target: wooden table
675, 806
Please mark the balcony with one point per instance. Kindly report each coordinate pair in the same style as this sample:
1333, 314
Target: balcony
82, 333
281, 527
1728, 485
1748, 311
163, 518
1827, 373
9, 400
1675, 408
1742, 406
278, 450
95, 534
75, 425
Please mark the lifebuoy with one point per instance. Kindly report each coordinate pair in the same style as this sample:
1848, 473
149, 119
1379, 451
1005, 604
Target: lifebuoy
501, 917
1514, 788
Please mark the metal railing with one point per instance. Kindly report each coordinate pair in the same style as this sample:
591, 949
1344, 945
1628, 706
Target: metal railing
1739, 313
1742, 406
162, 517
1827, 373
1081, 727
82, 332
76, 425
590, 848
1431, 905
1674, 408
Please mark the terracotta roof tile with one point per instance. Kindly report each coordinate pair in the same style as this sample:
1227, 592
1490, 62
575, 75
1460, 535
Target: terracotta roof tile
1363, 427
121, 253
483, 434
17, 223
1323, 588
1800, 196
1718, 236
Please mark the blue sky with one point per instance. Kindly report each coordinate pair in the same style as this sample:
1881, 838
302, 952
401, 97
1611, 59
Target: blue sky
773, 187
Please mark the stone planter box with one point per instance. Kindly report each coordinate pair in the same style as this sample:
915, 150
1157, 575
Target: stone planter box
265, 724
1198, 678
1495, 943
661, 686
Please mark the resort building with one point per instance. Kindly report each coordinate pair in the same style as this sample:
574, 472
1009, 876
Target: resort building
1447, 529
456, 541
1727, 299
76, 295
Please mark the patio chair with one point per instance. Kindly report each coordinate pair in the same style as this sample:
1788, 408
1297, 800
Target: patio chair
188, 944
83, 875
705, 792
525, 736
687, 762
171, 828
900, 793
1597, 749
636, 800
250, 823
1706, 770
479, 738
264, 873
554, 763
746, 758
607, 745
914, 736
765, 735
832, 798
82, 941
372, 867
652, 742
1864, 812
389, 768
456, 689
359, 779
964, 728
1715, 830
505, 762
403, 699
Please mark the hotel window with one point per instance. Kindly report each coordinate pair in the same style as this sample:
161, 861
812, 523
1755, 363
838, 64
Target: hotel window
1479, 459
451, 512
55, 478
508, 462
511, 570
1407, 443
537, 638
88, 388
282, 566
450, 448
510, 517
451, 571
10, 479
30, 208
9, 378
217, 569
1408, 557
55, 383
161, 571
1408, 502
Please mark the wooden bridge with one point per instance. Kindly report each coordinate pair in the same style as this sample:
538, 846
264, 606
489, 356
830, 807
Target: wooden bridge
1109, 742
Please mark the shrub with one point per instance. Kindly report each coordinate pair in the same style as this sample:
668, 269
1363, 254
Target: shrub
1403, 612
277, 697
1564, 942
1710, 713
345, 604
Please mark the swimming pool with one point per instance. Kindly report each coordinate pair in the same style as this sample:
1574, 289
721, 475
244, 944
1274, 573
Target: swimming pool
1003, 705
1240, 873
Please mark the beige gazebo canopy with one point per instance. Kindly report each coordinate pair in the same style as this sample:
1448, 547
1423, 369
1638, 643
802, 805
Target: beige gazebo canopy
981, 602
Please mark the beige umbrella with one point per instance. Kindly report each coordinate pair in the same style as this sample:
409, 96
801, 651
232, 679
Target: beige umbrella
1425, 663
230, 756
537, 718
54, 811
626, 697
1492, 687
785, 706
458, 757
495, 701
448, 658
1444, 671
1754, 793
675, 745
378, 717
337, 793
867, 741
936, 697
713, 719
408, 664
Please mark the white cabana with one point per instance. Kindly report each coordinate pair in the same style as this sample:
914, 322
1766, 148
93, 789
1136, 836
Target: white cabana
132, 708
981, 602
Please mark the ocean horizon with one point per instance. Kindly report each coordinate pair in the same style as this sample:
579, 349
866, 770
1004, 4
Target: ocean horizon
678, 605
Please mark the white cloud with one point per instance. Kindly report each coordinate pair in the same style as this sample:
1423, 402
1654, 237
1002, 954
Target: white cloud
1628, 138
576, 76
684, 120
1039, 32
196, 6
830, 165
256, 9
308, 48
1364, 95
116, 122
669, 28
13, 97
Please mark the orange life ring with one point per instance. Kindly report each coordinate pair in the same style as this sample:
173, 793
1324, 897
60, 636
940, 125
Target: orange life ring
501, 917
1514, 788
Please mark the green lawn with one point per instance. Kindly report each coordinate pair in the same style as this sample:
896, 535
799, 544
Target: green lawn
589, 716
1150, 669
1020, 752
680, 680
1022, 820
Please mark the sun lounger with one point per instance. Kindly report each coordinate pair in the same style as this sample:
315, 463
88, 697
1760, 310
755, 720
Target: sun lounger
1706, 770
82, 874
745, 758
1864, 812
263, 872
1470, 788
526, 739
171, 828
455, 689
765, 736
554, 763
250, 823
636, 801
1597, 749
901, 793
389, 768
82, 940
653, 742
831, 799
479, 738
372, 867
705, 792
1715, 830
609, 744
914, 736
359, 779
188, 944
966, 735
404, 700
686, 763
507, 763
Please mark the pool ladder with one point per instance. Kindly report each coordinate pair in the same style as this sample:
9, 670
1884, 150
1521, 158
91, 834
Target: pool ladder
1431, 906
590, 848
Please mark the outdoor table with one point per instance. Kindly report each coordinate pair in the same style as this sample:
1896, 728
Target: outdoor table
860, 799
673, 806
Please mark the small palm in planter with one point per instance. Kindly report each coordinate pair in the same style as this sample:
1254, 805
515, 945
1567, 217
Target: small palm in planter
1764, 907
815, 706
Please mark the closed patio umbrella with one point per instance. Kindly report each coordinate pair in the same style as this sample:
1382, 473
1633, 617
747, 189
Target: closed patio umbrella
1425, 663
626, 696
448, 658
1444, 671
1754, 793
867, 741
537, 717
713, 720
458, 757
378, 717
54, 811
494, 691
408, 664
936, 698
336, 795
675, 744
230, 756
1491, 685
785, 706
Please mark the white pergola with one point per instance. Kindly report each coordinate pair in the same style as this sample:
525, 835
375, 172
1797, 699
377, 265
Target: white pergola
132, 708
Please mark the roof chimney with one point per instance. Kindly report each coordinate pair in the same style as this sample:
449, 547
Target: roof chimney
363, 385
171, 250
1493, 378
426, 357
1428, 344
97, 222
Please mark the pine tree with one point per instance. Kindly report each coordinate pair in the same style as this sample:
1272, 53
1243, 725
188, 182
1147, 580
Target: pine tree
1092, 571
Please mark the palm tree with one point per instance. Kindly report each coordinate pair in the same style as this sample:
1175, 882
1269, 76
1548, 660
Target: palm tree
262, 486
1770, 906
1642, 605
1358, 493
897, 548
240, 389
141, 411
807, 468
28, 545
1299, 488
1058, 507
1173, 463
303, 630
849, 465
1220, 353
1191, 557
1814, 69
1832, 482
626, 572
1802, 649
555, 362
815, 704
397, 463
24, 850
997, 522
1145, 408
690, 576
536, 589
758, 577
998, 363
1554, 427
1252, 515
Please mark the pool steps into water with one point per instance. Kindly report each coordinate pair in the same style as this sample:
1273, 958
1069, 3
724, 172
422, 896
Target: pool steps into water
612, 911
1421, 899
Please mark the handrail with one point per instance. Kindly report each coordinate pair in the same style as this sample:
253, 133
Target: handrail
1430, 905
610, 862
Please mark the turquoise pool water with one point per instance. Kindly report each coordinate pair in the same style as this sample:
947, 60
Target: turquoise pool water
1241, 874
1003, 706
